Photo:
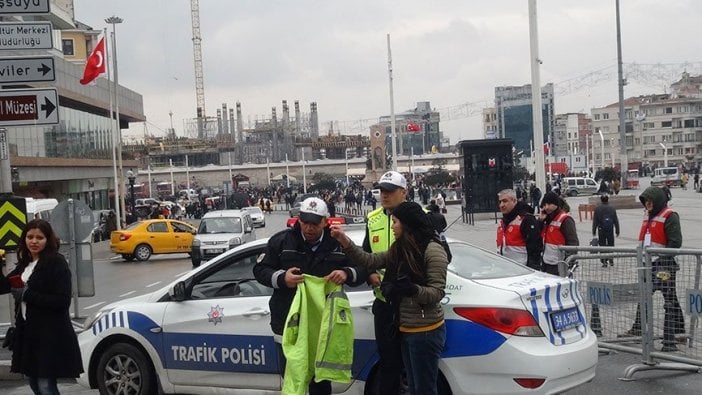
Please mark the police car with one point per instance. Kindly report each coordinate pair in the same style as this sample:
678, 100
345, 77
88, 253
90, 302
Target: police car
509, 330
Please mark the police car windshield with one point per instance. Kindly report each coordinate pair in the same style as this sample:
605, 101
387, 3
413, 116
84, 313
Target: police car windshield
220, 225
473, 263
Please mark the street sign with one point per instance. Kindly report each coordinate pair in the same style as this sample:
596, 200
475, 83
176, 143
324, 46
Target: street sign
21, 107
13, 217
22, 7
83, 221
25, 35
31, 69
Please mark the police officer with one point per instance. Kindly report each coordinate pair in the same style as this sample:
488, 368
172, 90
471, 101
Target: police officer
557, 228
518, 233
379, 236
306, 248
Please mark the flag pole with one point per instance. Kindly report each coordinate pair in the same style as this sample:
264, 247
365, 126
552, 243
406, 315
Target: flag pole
114, 135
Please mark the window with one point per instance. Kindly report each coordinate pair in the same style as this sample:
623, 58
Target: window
648, 125
67, 46
597, 117
233, 279
158, 227
180, 228
667, 124
605, 116
669, 110
689, 123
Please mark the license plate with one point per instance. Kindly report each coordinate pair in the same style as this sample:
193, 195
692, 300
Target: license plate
565, 319
215, 251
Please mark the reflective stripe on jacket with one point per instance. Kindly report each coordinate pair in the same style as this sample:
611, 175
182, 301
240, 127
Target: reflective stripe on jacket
380, 236
656, 227
553, 237
510, 242
318, 336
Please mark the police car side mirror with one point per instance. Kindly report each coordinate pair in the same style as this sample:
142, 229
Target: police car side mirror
177, 293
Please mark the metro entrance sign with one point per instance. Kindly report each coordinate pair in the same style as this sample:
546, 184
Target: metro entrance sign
23, 107
20, 7
30, 69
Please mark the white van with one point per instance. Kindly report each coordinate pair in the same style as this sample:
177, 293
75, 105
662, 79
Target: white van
220, 231
666, 176
574, 186
40, 208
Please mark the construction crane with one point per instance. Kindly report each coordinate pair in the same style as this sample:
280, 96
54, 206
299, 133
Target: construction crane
199, 79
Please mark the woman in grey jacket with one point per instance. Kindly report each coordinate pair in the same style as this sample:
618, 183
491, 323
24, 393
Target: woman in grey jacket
414, 282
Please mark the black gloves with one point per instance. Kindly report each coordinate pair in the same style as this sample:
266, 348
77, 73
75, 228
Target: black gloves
401, 287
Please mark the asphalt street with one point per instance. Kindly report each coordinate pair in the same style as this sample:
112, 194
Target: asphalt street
116, 279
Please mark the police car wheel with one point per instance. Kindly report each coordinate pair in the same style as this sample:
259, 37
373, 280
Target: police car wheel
123, 369
142, 252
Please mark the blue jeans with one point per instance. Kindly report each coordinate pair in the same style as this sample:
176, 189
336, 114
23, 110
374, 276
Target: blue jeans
420, 352
44, 385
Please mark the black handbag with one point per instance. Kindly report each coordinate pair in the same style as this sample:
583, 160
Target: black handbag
9, 341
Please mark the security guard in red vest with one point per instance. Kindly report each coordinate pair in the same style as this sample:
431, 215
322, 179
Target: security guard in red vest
661, 229
518, 233
557, 229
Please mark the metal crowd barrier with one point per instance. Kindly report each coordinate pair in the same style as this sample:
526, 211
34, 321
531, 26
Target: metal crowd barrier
633, 283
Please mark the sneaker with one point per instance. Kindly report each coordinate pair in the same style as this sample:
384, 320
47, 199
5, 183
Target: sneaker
669, 347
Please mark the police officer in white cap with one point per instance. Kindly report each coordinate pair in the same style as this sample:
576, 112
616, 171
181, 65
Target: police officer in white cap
306, 248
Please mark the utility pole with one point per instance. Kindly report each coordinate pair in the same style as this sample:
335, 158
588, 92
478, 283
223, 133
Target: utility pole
393, 136
536, 98
622, 116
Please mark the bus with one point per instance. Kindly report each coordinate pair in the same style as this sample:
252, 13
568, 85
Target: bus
164, 189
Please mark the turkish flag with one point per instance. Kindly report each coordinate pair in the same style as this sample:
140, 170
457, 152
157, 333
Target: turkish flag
546, 148
413, 127
95, 64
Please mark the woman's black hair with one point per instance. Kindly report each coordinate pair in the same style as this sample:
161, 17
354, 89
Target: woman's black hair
406, 254
24, 257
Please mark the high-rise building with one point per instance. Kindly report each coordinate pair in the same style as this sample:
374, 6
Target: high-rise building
490, 123
417, 130
514, 114
72, 158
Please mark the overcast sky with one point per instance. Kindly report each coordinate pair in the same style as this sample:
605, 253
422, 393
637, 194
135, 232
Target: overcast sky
448, 52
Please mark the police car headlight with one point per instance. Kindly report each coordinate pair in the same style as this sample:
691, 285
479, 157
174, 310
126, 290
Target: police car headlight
92, 320
234, 242
196, 243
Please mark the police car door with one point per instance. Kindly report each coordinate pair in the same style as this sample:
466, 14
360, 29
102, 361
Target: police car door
220, 335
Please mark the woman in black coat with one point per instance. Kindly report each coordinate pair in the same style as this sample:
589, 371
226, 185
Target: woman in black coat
45, 346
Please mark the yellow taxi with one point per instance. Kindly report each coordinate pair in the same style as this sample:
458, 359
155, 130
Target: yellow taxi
142, 239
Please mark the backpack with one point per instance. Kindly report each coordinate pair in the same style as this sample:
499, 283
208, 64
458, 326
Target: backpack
607, 223
438, 222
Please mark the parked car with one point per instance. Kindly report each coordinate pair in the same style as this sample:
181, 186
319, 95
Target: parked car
574, 186
259, 219
666, 176
142, 239
510, 329
220, 231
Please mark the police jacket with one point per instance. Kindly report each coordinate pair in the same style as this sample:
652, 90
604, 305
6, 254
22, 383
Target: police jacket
558, 229
288, 249
318, 336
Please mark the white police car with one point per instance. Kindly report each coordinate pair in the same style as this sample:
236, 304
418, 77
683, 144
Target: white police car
509, 330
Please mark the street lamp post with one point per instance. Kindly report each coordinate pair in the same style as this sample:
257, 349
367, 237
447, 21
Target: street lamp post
132, 178
114, 20
602, 146
665, 154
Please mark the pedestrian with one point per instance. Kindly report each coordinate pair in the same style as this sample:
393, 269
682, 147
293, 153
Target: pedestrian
519, 232
415, 278
44, 344
379, 237
535, 194
557, 229
440, 202
605, 224
661, 229
306, 249
616, 186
